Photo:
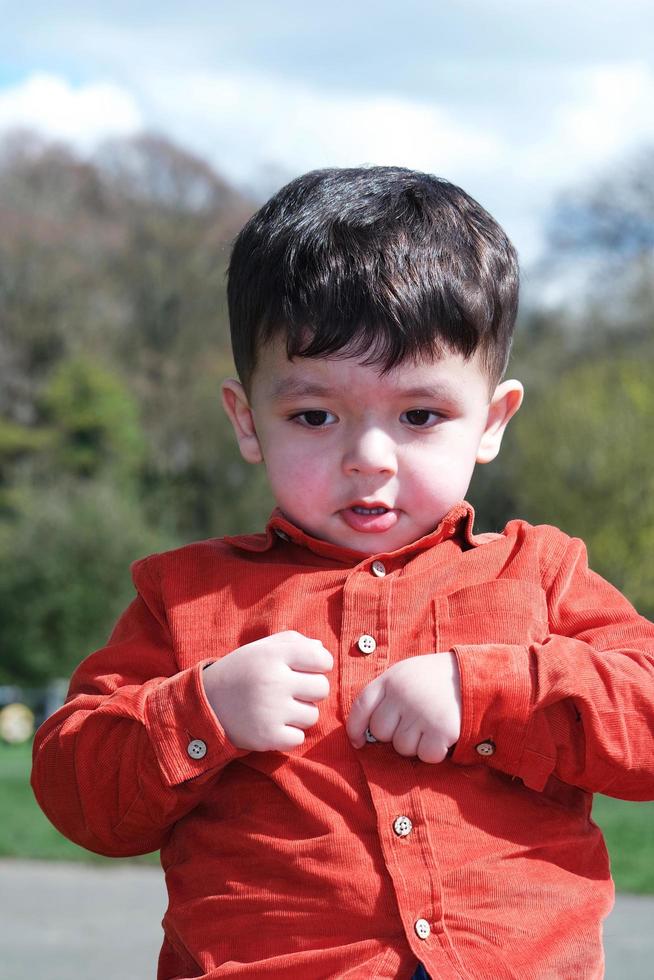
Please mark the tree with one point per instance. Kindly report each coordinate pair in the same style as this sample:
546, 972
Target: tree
578, 454
113, 340
583, 461
605, 233
94, 422
64, 578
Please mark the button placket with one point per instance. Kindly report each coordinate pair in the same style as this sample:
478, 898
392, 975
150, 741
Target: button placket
364, 646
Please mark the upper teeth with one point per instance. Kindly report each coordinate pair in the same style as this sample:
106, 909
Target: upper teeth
369, 510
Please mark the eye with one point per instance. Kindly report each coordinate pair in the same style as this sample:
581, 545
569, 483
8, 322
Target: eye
316, 418
421, 418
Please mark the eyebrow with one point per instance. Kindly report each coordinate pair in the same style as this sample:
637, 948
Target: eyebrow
436, 391
297, 388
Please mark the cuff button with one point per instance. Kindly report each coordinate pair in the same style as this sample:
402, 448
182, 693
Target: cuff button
485, 748
197, 749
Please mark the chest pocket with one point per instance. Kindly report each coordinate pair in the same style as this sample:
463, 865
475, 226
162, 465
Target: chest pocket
502, 611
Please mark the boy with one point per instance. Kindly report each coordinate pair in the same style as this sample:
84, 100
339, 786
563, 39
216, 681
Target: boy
366, 740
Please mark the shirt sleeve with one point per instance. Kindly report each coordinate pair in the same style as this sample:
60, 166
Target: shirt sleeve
115, 767
578, 706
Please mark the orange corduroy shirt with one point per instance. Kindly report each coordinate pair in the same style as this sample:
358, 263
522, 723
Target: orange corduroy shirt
333, 862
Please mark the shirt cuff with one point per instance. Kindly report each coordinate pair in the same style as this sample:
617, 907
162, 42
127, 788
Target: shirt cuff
496, 698
186, 736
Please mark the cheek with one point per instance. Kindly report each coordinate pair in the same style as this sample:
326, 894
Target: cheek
445, 469
293, 475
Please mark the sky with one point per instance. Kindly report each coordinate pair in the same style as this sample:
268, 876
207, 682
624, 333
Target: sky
515, 100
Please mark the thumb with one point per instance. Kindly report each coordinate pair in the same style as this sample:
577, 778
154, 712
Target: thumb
357, 723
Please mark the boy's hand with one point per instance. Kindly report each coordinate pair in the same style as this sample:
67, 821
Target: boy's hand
415, 704
264, 694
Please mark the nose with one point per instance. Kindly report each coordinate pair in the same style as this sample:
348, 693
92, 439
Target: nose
369, 451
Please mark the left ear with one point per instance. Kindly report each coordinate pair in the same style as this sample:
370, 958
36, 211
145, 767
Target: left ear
506, 400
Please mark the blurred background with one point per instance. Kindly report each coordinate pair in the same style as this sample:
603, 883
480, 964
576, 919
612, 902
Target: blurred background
135, 140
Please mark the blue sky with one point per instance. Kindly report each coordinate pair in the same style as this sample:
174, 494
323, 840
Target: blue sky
513, 99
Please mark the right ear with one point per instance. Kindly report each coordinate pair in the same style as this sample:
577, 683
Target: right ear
237, 406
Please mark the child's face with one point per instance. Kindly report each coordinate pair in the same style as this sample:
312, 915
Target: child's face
366, 460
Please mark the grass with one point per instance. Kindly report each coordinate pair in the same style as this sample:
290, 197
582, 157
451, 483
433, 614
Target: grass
629, 833
26, 833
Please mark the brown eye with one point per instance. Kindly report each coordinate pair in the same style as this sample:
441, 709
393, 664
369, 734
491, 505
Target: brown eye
315, 418
419, 416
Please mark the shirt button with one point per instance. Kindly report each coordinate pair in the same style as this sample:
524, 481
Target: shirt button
367, 644
378, 569
197, 749
370, 737
485, 748
422, 928
402, 826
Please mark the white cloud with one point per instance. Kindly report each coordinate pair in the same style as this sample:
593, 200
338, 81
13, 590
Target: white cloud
246, 121
256, 127
79, 115
614, 111
607, 113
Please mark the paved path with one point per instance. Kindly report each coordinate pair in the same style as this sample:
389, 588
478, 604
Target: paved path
80, 922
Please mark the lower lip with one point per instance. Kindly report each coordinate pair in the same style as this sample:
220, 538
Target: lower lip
370, 523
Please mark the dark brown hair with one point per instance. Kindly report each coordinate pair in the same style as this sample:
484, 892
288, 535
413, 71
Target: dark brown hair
380, 263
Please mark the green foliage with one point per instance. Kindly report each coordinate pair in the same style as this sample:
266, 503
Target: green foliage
71, 521
94, 421
582, 459
113, 342
197, 483
64, 575
20, 440
578, 454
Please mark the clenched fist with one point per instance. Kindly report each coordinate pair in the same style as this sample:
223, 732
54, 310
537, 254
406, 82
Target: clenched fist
265, 693
415, 704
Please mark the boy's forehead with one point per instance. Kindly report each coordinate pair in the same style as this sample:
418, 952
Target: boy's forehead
283, 378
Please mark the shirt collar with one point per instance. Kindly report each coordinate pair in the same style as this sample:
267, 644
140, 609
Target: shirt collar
458, 522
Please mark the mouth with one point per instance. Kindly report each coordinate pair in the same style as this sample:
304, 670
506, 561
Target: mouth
373, 518
360, 509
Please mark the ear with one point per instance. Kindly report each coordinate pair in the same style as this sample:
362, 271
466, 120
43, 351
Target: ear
237, 406
506, 400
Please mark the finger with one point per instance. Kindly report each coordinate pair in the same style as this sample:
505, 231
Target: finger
289, 738
384, 721
361, 710
302, 715
432, 748
309, 687
308, 655
406, 740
